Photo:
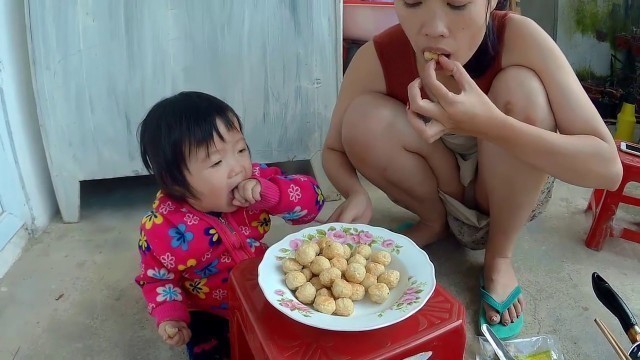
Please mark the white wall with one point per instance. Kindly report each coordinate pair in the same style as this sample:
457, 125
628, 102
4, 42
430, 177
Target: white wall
581, 51
23, 127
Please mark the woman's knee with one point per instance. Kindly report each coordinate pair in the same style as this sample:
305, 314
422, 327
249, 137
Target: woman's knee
367, 117
518, 92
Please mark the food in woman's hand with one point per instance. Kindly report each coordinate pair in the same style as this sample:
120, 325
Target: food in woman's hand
332, 276
429, 55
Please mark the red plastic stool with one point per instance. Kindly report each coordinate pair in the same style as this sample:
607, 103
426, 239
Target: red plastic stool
259, 331
604, 205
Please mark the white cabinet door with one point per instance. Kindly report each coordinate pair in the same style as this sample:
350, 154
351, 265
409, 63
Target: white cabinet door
98, 67
11, 194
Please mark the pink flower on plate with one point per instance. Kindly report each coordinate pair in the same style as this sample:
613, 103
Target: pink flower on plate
301, 306
409, 298
411, 290
388, 244
365, 237
337, 235
295, 244
279, 292
289, 304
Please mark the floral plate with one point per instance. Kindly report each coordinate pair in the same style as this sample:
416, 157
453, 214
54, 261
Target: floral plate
417, 278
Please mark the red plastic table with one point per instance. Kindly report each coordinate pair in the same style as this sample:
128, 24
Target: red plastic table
259, 331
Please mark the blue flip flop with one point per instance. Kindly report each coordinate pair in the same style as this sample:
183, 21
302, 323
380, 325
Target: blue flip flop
503, 332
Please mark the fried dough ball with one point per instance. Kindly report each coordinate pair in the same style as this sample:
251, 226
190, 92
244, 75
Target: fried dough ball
363, 250
295, 279
315, 281
333, 250
346, 251
357, 292
375, 269
390, 278
327, 277
378, 293
344, 307
369, 280
358, 259
319, 264
380, 257
325, 304
305, 254
289, 265
323, 242
355, 272
307, 273
306, 293
341, 289
339, 263
324, 292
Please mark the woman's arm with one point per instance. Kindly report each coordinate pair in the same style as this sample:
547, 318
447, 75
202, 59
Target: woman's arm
364, 75
583, 152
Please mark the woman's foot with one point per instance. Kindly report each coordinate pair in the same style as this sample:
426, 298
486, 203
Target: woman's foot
499, 281
424, 234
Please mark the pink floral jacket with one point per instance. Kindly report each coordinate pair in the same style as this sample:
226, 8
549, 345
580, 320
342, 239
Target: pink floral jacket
186, 255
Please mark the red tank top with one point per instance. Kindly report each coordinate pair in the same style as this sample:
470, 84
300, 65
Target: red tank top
398, 60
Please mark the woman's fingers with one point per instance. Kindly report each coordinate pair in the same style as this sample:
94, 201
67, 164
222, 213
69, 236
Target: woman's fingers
430, 130
422, 106
458, 72
435, 87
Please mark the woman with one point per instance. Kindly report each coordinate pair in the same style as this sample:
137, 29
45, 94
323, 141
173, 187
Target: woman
482, 130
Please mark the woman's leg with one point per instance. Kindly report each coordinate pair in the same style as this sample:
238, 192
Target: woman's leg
382, 146
508, 188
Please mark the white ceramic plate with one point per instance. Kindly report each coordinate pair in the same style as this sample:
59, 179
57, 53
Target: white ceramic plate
417, 278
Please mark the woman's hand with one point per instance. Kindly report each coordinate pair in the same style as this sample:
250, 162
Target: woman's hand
357, 208
468, 113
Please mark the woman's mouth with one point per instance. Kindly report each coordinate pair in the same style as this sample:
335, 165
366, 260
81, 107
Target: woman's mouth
433, 55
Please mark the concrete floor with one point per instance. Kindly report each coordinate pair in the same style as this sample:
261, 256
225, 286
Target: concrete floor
71, 294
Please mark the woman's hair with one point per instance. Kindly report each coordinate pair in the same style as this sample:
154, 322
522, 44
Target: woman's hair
486, 52
174, 128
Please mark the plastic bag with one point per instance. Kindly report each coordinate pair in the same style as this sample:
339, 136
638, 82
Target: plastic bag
543, 347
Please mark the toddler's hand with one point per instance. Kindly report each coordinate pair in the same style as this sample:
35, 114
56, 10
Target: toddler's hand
174, 333
247, 193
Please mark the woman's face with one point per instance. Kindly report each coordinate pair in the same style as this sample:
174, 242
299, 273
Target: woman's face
454, 28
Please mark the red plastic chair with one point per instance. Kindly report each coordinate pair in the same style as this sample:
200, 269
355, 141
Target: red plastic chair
604, 205
259, 331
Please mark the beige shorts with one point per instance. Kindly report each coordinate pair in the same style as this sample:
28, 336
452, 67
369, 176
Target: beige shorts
470, 226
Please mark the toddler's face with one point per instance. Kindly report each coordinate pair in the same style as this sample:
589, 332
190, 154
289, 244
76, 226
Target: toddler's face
215, 175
